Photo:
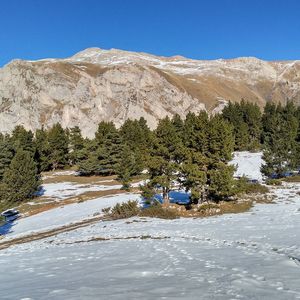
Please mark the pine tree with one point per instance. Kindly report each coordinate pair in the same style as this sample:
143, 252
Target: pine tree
220, 140
109, 153
196, 132
221, 182
126, 167
194, 174
165, 157
21, 179
178, 124
6, 154
104, 128
76, 145
246, 120
137, 135
58, 143
43, 150
23, 139
280, 127
89, 161
194, 166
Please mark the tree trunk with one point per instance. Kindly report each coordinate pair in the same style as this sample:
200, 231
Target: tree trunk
166, 199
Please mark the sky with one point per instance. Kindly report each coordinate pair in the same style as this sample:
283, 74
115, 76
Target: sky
211, 29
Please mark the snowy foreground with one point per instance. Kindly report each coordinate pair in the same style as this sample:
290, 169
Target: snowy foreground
254, 255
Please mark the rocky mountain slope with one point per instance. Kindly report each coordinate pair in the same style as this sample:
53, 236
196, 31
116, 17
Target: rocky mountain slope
114, 85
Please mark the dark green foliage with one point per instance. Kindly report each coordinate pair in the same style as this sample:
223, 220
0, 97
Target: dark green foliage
195, 136
109, 153
194, 172
104, 128
165, 156
76, 145
58, 145
243, 186
6, 154
137, 135
124, 210
221, 182
43, 150
21, 179
22, 139
103, 154
220, 140
246, 120
126, 167
148, 192
280, 128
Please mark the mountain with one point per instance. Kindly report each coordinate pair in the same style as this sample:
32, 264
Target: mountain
114, 85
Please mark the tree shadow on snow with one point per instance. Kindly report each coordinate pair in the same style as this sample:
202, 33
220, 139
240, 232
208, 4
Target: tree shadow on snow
6, 228
179, 197
40, 192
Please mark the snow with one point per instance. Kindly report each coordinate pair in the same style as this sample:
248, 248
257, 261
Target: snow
242, 256
248, 164
65, 190
253, 255
65, 215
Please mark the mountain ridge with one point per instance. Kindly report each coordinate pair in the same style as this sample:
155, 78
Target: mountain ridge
113, 85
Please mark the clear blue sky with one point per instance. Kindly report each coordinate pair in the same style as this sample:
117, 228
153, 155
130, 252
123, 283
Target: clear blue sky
268, 29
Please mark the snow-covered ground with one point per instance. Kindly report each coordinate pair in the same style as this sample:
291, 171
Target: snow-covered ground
248, 164
65, 190
64, 215
254, 255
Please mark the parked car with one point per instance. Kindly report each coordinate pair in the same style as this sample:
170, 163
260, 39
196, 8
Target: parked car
10, 214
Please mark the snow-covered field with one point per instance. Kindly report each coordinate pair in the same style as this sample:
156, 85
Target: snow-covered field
65, 190
254, 255
65, 215
248, 164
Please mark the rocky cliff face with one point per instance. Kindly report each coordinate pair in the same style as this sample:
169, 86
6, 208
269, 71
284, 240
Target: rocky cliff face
114, 85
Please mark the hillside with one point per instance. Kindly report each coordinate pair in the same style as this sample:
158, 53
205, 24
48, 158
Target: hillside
114, 85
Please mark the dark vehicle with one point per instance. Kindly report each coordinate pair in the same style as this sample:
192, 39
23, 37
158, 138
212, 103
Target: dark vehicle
10, 215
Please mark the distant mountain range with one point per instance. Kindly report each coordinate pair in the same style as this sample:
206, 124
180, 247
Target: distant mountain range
114, 85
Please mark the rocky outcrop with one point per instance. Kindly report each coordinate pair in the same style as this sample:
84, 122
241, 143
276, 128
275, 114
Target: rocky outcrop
114, 85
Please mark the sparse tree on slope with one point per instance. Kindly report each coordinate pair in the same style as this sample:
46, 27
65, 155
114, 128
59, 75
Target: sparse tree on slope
21, 179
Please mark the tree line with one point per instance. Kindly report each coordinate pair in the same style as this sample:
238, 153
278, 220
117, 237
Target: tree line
193, 152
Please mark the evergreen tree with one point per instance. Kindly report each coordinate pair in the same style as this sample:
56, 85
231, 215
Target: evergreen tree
221, 182
21, 179
280, 127
220, 140
43, 150
196, 132
6, 154
23, 139
194, 166
104, 128
58, 143
137, 135
246, 120
127, 167
178, 124
194, 174
109, 153
89, 161
165, 157
76, 145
